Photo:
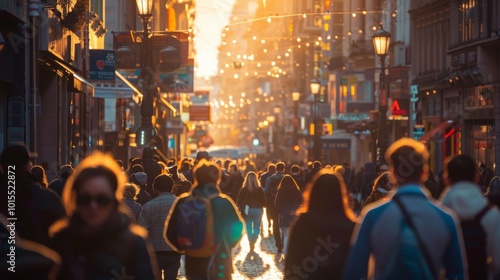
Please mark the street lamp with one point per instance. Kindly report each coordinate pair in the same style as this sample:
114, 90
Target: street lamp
316, 150
381, 41
295, 98
146, 131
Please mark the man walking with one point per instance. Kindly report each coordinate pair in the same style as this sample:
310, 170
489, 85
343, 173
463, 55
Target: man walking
152, 217
464, 197
409, 222
271, 189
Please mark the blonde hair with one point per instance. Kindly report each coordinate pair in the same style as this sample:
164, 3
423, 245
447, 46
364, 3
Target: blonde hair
251, 182
95, 160
130, 190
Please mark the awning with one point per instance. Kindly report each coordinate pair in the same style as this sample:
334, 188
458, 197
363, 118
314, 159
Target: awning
130, 91
77, 82
439, 131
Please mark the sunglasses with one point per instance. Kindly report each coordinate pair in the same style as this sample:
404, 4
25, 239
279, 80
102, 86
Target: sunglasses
101, 200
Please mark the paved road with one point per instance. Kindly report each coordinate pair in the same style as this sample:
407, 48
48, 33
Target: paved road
264, 263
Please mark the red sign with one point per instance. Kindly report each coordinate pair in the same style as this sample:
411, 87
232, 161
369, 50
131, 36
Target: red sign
399, 107
199, 113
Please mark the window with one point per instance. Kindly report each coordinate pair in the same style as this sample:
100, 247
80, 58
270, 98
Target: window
466, 19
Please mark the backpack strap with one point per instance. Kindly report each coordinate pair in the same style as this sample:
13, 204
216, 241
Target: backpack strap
479, 216
417, 236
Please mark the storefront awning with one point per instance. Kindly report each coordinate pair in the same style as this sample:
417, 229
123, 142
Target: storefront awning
441, 130
77, 82
130, 91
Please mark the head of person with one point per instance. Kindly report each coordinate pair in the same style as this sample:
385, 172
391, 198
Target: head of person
95, 190
39, 174
206, 172
251, 181
186, 165
65, 171
16, 155
288, 184
460, 168
280, 167
407, 160
147, 153
382, 168
202, 155
130, 190
271, 168
233, 169
174, 172
384, 183
140, 179
136, 168
326, 195
163, 183
339, 169
317, 165
494, 188
295, 169
227, 162
219, 163
120, 163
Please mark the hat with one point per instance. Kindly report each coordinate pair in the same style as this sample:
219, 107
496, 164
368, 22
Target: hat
136, 168
16, 154
202, 154
140, 178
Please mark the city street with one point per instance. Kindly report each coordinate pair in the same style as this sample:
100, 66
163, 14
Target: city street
264, 263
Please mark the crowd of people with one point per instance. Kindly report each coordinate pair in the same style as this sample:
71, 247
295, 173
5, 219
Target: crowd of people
391, 220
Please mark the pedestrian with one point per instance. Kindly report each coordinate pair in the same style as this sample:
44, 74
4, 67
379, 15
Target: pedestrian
228, 224
465, 197
35, 208
141, 180
320, 235
130, 192
97, 239
485, 176
153, 217
296, 173
493, 191
396, 233
181, 185
151, 168
271, 189
251, 201
39, 175
235, 182
288, 199
315, 167
382, 187
271, 170
367, 180
57, 185
199, 156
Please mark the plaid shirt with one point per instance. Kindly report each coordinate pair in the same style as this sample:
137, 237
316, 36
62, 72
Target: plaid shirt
153, 217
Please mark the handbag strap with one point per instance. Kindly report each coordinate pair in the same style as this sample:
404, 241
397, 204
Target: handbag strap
417, 236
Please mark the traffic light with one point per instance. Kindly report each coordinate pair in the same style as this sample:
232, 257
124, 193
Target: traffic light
256, 142
170, 50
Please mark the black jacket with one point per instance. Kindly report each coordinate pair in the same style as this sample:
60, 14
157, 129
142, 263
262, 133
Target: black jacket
322, 239
115, 251
255, 199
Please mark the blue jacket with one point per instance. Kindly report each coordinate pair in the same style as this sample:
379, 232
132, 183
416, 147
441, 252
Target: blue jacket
379, 231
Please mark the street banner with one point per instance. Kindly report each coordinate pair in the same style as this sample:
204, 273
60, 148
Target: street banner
102, 65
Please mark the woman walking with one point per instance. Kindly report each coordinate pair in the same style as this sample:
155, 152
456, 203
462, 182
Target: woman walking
97, 240
325, 218
251, 201
288, 200
382, 187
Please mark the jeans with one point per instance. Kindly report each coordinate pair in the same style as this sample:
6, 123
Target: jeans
285, 231
276, 228
253, 221
169, 262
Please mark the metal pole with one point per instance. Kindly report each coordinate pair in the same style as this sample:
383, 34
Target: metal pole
317, 131
146, 132
35, 8
382, 137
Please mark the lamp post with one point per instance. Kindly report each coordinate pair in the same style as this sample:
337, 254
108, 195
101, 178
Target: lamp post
276, 132
381, 40
316, 150
146, 131
295, 98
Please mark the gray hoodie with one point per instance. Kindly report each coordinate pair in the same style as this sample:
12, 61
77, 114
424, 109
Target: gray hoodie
466, 199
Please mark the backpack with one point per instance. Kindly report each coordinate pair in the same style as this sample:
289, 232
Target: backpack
195, 228
273, 187
409, 261
475, 245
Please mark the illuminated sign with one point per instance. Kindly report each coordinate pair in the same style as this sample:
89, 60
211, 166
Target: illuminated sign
399, 107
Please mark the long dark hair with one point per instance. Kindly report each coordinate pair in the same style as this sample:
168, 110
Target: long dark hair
327, 195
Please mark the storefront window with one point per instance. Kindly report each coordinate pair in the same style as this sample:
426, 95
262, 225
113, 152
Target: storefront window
483, 139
